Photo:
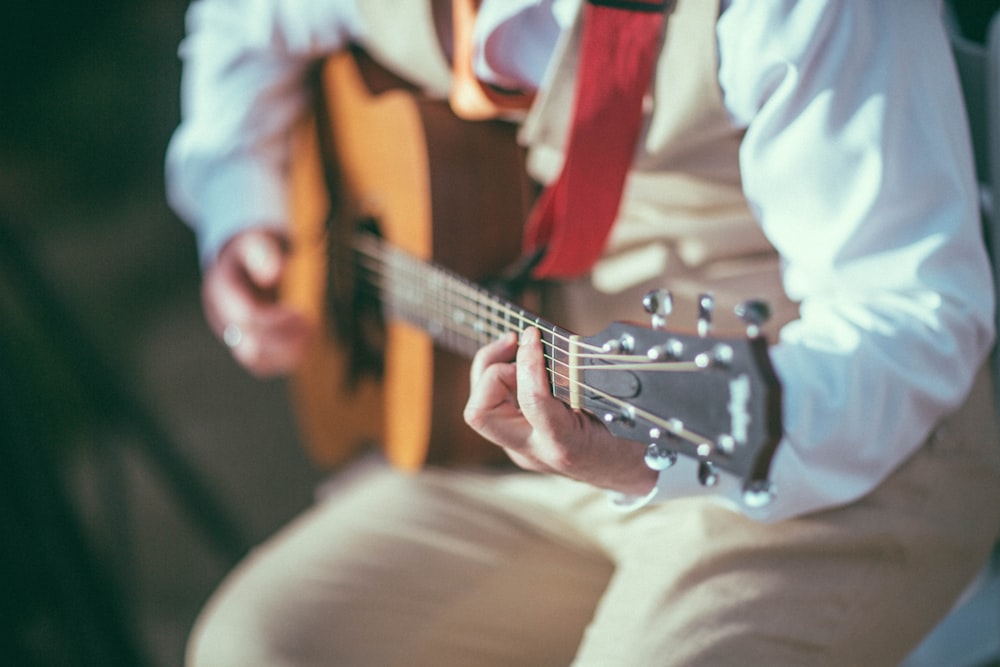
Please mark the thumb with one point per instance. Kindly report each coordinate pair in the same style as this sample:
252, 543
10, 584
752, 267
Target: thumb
264, 258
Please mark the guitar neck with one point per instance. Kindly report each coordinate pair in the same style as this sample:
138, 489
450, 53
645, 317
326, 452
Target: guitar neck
715, 400
458, 314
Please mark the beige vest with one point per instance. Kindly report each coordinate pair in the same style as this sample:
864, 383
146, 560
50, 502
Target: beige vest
403, 37
684, 221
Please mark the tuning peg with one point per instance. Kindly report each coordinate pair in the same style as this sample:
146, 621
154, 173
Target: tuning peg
658, 303
758, 493
659, 456
624, 344
754, 314
706, 306
672, 349
625, 416
720, 355
707, 474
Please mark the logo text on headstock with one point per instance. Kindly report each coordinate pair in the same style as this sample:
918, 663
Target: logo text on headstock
739, 408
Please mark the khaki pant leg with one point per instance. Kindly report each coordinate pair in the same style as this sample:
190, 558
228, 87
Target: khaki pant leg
466, 570
860, 585
400, 570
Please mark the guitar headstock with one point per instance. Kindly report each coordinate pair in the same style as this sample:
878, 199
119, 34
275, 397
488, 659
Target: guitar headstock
714, 399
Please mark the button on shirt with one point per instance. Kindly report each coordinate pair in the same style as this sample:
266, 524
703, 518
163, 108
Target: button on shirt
855, 162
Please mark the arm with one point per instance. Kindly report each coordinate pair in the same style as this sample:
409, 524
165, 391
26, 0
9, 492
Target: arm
242, 91
856, 161
854, 110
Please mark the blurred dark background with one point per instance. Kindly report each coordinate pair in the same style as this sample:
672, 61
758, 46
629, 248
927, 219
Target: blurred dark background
138, 461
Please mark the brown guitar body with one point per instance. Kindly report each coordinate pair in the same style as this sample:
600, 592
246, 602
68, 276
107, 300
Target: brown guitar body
446, 190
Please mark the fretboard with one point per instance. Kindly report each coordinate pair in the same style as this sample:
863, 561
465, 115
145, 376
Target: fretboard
714, 400
458, 314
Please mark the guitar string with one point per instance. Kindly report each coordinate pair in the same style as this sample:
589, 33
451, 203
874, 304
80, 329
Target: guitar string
470, 293
388, 265
672, 426
482, 321
467, 299
473, 330
485, 323
675, 427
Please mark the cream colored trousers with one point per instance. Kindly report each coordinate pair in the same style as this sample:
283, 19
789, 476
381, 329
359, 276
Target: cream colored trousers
454, 569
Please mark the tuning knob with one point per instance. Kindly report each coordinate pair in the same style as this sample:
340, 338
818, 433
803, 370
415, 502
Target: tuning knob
625, 417
754, 314
708, 476
659, 456
624, 344
758, 493
672, 349
719, 356
658, 303
706, 306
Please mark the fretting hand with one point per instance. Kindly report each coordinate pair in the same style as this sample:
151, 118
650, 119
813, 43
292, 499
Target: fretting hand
510, 404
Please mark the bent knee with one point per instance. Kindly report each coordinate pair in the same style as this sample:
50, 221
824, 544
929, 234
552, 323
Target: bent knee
243, 626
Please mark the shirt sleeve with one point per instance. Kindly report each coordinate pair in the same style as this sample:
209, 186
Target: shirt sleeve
241, 92
856, 162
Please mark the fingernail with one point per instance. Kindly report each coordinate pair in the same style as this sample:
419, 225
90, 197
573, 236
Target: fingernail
258, 257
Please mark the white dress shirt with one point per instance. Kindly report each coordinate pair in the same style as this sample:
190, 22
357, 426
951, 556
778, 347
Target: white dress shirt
855, 161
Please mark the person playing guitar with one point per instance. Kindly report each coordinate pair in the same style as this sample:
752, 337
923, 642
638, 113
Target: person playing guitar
713, 487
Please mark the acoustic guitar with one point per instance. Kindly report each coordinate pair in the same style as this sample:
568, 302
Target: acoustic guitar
440, 188
401, 211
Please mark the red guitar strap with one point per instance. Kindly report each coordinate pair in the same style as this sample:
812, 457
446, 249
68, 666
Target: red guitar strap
573, 217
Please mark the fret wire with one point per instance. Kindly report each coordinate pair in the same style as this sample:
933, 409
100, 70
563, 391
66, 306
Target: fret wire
467, 294
507, 319
472, 293
501, 317
499, 323
495, 325
469, 332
